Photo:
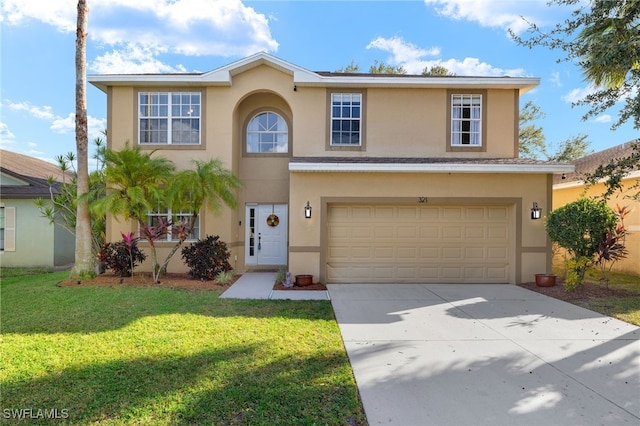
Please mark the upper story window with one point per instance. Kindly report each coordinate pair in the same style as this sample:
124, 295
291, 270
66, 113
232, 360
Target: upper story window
171, 118
346, 119
466, 120
267, 132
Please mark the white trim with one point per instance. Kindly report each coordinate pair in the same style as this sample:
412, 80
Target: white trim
302, 77
431, 168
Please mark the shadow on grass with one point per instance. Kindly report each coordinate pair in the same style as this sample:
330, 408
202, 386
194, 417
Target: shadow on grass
222, 386
35, 305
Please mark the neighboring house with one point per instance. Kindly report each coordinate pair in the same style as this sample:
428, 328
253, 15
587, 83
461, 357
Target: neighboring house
572, 187
406, 178
27, 239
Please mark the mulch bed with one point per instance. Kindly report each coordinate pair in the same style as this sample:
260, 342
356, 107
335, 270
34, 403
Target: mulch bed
141, 279
589, 290
314, 286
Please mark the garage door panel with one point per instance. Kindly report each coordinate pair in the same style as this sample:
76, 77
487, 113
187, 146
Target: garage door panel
429, 232
497, 232
474, 213
474, 232
407, 232
451, 233
430, 244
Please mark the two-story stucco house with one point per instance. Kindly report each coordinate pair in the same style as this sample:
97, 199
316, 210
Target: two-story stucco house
351, 177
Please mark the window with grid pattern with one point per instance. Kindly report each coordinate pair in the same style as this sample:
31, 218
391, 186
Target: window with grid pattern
466, 120
346, 117
167, 215
169, 118
267, 132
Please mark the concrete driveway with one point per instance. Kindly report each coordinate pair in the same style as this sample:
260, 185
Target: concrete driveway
486, 355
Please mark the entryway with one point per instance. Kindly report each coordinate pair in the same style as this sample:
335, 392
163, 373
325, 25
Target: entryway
266, 234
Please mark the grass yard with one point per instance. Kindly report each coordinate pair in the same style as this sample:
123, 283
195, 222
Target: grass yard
624, 308
153, 356
620, 299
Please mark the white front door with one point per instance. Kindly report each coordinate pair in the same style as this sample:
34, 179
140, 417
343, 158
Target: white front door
266, 234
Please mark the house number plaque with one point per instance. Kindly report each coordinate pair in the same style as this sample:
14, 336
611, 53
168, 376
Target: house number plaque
422, 199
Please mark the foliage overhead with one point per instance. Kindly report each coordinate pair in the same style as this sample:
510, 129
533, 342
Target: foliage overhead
603, 38
135, 181
615, 171
533, 144
437, 70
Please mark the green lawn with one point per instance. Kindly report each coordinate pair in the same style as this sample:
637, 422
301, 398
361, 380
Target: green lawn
624, 308
152, 356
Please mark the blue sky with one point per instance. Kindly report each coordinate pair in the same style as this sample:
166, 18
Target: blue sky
469, 37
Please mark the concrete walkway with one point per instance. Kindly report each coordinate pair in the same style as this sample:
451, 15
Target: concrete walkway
259, 285
486, 355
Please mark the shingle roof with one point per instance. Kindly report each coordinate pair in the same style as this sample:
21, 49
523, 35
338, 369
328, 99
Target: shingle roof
589, 163
31, 170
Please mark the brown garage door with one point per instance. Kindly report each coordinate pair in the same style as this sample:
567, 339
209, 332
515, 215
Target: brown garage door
418, 243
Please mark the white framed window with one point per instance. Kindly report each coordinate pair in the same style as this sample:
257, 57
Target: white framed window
346, 119
7, 228
2, 225
267, 132
168, 216
170, 118
466, 120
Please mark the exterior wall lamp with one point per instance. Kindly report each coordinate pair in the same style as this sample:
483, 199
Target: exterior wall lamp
307, 211
536, 211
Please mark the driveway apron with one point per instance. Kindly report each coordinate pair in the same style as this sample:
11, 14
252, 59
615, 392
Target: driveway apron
486, 355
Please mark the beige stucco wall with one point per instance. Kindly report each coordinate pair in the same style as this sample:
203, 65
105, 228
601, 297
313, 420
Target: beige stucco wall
399, 123
566, 193
306, 238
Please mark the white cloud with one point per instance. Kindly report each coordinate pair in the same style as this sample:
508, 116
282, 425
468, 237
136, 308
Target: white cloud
555, 79
58, 124
133, 59
185, 27
494, 13
402, 51
6, 137
40, 112
578, 94
605, 118
59, 13
411, 58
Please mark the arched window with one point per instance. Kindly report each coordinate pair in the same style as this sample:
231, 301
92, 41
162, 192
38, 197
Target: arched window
267, 132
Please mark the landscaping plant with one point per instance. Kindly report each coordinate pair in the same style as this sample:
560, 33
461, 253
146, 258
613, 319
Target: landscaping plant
207, 258
579, 227
123, 256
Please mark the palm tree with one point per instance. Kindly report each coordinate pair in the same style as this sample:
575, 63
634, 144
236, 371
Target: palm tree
208, 185
84, 258
135, 181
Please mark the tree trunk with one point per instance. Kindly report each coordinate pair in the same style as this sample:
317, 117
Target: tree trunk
84, 261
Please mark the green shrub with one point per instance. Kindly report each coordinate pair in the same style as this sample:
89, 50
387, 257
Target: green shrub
224, 278
580, 227
576, 269
207, 258
281, 276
